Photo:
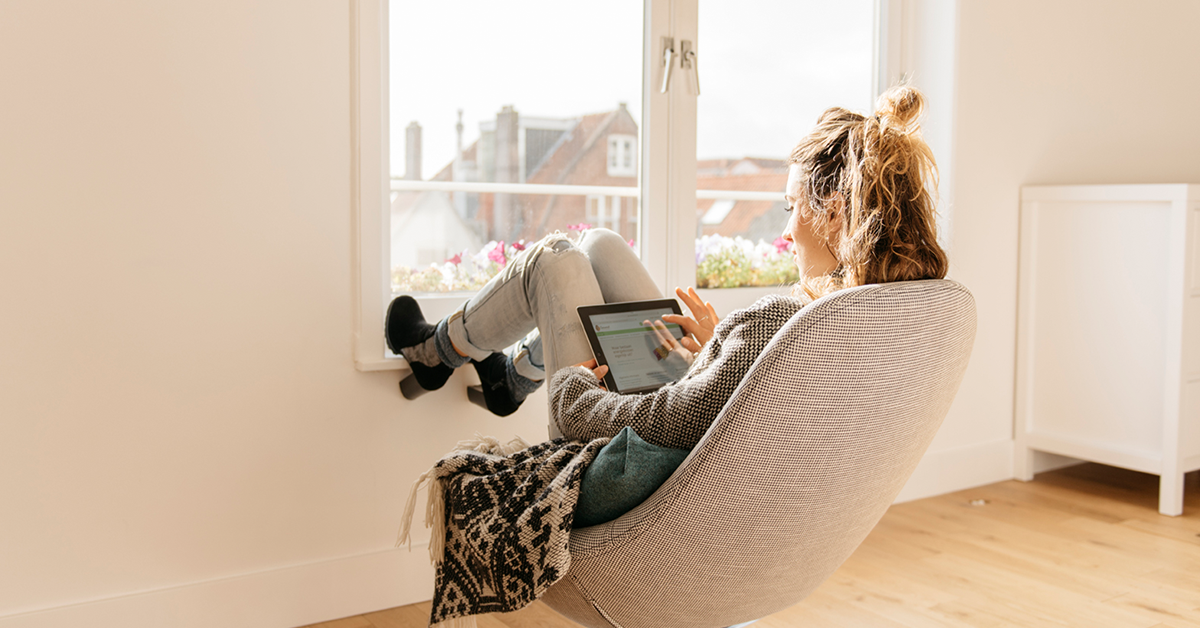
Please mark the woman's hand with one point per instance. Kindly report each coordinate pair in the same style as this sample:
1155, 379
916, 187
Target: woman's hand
598, 371
699, 326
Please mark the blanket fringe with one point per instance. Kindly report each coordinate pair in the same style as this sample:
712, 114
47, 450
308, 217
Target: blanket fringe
435, 506
457, 622
435, 515
491, 445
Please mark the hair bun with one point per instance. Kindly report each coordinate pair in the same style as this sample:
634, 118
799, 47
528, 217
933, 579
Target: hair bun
899, 107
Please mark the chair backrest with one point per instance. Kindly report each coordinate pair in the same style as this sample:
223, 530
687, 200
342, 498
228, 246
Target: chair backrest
804, 459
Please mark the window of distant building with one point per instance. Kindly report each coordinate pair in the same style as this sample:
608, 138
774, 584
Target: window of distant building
622, 156
604, 211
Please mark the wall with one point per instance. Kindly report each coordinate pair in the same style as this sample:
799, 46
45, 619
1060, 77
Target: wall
1049, 92
182, 430
183, 438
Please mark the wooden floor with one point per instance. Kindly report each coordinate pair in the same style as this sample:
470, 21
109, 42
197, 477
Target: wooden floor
1082, 546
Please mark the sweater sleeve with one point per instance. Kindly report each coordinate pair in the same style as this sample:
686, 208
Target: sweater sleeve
678, 414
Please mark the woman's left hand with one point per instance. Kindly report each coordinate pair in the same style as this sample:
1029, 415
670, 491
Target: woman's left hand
598, 371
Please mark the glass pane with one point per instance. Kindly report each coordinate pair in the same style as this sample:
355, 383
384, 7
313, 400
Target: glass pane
755, 107
529, 92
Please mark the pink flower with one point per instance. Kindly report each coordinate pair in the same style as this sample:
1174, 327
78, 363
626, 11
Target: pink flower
456, 260
497, 254
631, 242
520, 246
579, 227
782, 245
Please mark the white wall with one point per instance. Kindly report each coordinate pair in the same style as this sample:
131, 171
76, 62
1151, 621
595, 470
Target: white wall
1051, 92
179, 412
178, 401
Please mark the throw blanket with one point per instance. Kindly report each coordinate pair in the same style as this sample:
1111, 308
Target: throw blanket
501, 518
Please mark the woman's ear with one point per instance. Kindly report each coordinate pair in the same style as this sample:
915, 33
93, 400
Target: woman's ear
837, 219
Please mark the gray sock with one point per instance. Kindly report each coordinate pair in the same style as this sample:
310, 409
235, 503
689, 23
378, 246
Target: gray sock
445, 348
518, 385
425, 353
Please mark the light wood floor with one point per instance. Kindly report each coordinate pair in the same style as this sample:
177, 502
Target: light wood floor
1082, 546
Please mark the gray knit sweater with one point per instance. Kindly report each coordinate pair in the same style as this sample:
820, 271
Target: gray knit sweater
678, 414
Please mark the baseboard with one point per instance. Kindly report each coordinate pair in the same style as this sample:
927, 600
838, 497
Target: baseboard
952, 470
278, 598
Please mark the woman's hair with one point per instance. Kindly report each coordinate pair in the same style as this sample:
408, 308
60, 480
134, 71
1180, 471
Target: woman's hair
878, 176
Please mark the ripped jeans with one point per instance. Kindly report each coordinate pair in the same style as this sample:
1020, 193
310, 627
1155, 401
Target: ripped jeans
530, 305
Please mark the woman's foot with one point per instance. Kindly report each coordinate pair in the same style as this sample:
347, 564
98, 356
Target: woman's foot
504, 387
493, 378
408, 334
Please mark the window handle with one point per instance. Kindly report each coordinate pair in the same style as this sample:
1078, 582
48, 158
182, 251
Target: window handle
689, 62
668, 56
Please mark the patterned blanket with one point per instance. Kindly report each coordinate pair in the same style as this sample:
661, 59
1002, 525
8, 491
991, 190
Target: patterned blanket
501, 518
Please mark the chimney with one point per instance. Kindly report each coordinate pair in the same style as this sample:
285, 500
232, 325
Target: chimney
506, 214
412, 152
458, 145
458, 171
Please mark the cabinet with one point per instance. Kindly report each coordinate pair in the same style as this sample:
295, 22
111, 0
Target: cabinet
1108, 329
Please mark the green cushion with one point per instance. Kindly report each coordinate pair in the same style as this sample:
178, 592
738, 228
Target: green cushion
625, 472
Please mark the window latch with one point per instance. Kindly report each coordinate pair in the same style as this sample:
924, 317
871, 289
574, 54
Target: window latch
668, 56
687, 61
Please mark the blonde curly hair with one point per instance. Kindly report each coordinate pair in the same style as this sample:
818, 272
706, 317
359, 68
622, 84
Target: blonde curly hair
876, 177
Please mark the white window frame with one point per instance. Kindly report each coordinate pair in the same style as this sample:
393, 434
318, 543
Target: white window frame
666, 169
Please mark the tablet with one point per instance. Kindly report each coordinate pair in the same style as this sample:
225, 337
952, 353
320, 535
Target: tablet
637, 361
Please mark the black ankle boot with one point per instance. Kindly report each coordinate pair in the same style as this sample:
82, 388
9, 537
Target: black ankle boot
493, 372
405, 326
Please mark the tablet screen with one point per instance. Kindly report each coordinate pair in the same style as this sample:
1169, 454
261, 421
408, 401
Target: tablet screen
636, 358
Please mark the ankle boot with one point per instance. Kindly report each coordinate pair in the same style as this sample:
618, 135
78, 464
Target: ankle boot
406, 328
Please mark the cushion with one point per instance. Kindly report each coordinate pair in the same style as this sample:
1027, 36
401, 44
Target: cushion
625, 472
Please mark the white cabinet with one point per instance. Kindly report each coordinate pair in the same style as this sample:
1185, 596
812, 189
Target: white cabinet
1108, 341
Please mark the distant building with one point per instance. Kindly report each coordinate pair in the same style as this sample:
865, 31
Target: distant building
598, 149
753, 220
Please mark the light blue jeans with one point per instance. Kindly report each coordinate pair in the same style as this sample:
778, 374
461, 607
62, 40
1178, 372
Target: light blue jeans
529, 307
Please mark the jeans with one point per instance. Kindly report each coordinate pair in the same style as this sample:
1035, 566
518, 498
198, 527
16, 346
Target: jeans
530, 305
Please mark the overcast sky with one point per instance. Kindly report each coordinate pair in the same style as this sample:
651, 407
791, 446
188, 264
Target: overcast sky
767, 67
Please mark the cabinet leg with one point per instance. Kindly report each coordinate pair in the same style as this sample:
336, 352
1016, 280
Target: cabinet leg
1170, 494
1023, 463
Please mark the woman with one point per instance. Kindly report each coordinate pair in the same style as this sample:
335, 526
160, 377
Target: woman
861, 211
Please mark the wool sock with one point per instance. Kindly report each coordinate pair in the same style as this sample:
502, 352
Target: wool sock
445, 348
519, 386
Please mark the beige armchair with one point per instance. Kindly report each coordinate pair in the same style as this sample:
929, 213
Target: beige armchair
802, 462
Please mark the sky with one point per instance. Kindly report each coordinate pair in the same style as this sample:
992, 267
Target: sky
767, 68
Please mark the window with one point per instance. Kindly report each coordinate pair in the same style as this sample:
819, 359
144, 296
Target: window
622, 156
457, 152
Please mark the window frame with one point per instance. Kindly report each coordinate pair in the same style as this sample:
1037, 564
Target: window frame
665, 150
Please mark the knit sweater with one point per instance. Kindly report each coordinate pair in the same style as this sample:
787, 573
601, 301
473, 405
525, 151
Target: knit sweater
678, 414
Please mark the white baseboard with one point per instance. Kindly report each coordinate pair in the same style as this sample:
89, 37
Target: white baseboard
278, 598
952, 470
